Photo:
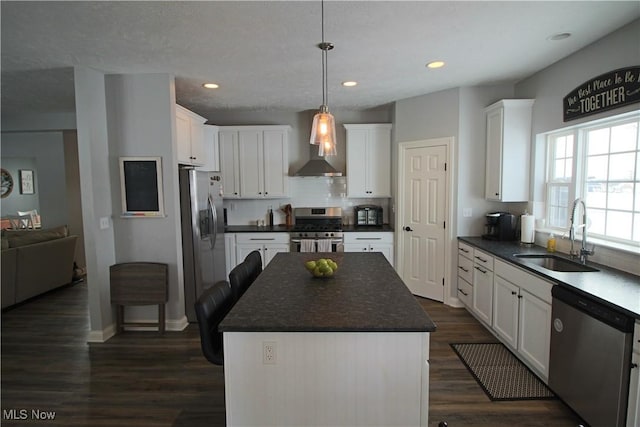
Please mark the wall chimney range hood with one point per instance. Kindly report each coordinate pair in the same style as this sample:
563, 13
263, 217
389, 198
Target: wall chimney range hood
318, 167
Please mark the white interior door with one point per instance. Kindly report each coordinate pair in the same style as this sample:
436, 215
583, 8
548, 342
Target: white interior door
422, 219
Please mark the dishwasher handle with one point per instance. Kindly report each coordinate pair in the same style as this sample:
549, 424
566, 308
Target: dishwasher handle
598, 310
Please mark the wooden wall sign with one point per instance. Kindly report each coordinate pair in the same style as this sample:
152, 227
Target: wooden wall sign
605, 92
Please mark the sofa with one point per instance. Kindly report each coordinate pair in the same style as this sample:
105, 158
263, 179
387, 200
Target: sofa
34, 262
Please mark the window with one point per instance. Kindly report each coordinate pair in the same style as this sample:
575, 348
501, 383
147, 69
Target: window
600, 163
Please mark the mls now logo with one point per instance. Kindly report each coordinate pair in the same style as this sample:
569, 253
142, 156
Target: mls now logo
25, 414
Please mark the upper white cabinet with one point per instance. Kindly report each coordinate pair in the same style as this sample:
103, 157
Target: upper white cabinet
368, 160
190, 137
508, 150
255, 161
211, 149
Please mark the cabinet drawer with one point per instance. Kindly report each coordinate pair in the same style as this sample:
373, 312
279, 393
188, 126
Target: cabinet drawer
530, 282
368, 237
264, 238
465, 268
481, 258
465, 292
465, 250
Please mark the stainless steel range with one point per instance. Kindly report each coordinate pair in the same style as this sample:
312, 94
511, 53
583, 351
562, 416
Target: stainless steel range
317, 224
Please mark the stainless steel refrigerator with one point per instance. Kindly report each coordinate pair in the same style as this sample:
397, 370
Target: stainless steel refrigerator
202, 234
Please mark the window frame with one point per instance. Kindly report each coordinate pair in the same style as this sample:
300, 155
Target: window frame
578, 183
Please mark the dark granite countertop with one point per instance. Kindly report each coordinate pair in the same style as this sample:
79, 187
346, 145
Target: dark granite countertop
614, 288
364, 295
286, 229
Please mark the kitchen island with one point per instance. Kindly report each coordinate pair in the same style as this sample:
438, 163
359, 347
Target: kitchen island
347, 350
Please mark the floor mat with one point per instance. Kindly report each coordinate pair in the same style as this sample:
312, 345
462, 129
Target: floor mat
500, 374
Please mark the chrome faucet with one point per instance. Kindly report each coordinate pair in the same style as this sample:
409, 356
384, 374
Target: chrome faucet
583, 253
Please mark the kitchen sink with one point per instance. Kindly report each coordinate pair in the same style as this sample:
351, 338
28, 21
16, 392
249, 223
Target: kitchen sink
555, 263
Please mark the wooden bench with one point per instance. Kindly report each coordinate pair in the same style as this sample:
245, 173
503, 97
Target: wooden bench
139, 283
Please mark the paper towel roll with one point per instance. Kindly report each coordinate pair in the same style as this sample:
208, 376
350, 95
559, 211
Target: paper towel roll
527, 227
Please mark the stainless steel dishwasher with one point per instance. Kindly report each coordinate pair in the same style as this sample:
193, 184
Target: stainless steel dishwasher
590, 358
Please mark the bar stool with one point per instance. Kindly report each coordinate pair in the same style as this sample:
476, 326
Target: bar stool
139, 283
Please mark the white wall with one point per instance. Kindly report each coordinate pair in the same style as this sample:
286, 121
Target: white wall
46, 151
617, 50
95, 185
141, 122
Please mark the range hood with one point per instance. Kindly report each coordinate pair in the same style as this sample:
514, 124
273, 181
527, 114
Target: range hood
318, 167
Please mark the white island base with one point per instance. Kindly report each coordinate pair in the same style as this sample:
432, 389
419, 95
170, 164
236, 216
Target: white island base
327, 379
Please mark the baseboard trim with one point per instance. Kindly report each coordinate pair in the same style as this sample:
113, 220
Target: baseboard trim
102, 335
174, 325
455, 303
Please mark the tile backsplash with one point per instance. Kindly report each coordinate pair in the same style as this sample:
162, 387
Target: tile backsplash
305, 192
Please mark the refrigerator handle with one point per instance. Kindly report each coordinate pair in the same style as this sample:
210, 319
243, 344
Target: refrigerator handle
214, 214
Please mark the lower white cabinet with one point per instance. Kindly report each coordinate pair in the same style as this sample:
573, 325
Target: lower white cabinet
483, 287
633, 408
505, 311
230, 251
522, 315
370, 242
268, 244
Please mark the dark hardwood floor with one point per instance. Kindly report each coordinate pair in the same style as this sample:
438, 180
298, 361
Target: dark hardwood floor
145, 379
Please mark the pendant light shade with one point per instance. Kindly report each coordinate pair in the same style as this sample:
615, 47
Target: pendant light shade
323, 129
323, 132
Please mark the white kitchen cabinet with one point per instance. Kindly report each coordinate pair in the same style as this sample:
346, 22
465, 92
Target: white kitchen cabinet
268, 244
211, 149
190, 137
230, 252
522, 315
633, 407
465, 274
255, 161
368, 160
508, 135
505, 311
483, 286
370, 242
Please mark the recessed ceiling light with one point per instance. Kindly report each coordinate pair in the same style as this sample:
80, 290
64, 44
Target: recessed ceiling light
435, 64
210, 86
560, 36
349, 83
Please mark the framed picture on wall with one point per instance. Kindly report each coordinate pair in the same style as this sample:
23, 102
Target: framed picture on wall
141, 187
7, 183
26, 182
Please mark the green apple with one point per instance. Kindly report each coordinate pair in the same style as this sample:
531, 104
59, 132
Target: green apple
317, 272
310, 265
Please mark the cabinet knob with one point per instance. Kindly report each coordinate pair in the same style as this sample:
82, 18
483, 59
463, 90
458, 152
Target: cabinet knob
519, 296
266, 192
407, 228
497, 194
513, 293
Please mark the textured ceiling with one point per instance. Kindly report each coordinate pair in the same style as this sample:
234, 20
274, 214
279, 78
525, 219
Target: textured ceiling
264, 54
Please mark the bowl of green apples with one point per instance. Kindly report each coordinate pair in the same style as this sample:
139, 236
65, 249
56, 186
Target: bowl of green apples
321, 268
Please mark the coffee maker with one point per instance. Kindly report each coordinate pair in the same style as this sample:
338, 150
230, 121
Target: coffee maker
500, 226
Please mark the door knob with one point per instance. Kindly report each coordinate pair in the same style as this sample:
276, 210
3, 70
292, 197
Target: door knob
407, 228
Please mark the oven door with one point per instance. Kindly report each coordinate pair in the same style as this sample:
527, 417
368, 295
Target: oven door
336, 244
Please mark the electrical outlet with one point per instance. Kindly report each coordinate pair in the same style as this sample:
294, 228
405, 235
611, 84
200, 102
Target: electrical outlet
467, 212
269, 352
104, 223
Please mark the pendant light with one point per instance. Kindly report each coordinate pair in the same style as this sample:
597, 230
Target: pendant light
323, 130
